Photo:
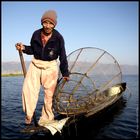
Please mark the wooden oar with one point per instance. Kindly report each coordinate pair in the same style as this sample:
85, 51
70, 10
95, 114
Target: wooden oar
24, 72
22, 63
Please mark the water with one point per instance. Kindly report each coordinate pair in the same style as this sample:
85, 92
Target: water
119, 123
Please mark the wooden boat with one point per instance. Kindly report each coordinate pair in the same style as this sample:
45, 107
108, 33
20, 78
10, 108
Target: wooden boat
109, 97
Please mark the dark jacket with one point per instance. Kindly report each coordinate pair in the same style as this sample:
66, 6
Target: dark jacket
54, 48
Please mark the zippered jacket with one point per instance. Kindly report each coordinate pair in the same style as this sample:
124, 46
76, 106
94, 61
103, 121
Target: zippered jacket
54, 48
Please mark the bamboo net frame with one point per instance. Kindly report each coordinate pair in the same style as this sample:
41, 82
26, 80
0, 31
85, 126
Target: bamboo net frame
92, 72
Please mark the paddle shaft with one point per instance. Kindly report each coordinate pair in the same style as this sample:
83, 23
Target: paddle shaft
24, 73
22, 63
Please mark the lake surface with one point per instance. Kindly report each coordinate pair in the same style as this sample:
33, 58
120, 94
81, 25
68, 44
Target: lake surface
119, 123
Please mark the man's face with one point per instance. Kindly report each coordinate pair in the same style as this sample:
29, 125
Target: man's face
48, 26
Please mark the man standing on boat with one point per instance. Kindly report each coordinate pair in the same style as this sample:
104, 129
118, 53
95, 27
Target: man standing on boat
47, 44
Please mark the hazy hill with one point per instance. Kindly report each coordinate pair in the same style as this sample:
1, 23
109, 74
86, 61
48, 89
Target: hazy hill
129, 69
12, 67
15, 67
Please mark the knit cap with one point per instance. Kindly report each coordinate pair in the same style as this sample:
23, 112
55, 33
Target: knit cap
51, 16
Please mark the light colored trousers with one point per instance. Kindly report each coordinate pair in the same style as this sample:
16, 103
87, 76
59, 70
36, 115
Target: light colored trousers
43, 73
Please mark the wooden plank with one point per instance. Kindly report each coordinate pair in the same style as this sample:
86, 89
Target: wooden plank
34, 129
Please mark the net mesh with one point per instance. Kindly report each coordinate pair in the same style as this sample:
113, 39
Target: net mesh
92, 71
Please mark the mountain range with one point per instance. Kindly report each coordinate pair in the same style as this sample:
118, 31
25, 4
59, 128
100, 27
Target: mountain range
15, 67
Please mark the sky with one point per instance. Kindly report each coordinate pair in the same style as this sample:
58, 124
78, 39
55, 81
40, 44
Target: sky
111, 26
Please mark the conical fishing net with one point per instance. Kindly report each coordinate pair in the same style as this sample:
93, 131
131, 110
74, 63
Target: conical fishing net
92, 71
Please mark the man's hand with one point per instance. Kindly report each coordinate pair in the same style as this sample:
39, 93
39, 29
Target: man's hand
20, 46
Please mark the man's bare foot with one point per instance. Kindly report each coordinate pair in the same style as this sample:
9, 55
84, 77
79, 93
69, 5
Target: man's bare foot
28, 120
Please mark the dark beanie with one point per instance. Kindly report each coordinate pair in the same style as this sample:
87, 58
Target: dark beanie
51, 16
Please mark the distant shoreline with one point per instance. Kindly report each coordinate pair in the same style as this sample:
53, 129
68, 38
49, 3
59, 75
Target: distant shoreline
20, 74
11, 74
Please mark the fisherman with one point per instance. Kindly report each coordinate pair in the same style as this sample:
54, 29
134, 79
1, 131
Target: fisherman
46, 45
